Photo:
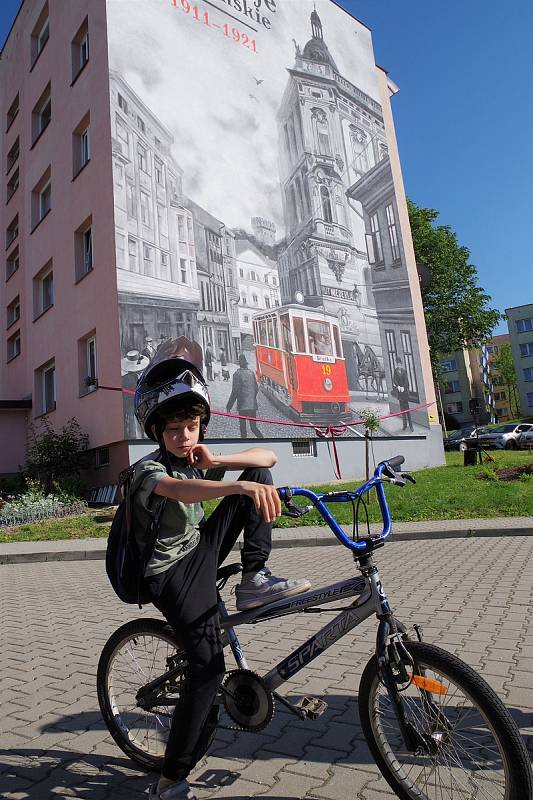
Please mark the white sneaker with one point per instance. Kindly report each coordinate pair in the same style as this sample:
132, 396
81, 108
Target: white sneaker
180, 790
262, 587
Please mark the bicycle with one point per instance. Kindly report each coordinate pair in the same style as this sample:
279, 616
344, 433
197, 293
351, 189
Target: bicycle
435, 728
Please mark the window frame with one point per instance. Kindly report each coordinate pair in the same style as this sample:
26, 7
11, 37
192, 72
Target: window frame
12, 111
15, 337
44, 371
14, 304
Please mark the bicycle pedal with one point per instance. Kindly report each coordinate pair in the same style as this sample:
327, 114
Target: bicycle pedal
312, 707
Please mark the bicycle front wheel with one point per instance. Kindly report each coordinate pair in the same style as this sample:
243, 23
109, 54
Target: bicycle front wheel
472, 748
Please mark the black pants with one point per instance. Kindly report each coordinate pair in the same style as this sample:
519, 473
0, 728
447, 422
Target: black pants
186, 595
249, 412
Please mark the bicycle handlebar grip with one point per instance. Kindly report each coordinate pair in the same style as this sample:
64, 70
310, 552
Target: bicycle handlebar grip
397, 461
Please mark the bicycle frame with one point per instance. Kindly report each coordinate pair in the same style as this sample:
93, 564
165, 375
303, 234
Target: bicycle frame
368, 590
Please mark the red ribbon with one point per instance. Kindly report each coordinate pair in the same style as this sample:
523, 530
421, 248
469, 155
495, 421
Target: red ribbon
322, 431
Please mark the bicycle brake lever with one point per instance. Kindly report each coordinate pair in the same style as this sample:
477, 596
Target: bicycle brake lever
407, 477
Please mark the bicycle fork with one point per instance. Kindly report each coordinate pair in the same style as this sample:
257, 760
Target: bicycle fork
392, 658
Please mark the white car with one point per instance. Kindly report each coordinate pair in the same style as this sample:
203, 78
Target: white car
526, 440
504, 437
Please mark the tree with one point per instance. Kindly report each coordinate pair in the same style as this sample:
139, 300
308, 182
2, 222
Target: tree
456, 309
56, 458
503, 364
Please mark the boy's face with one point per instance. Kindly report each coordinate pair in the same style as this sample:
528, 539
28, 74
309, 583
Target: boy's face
180, 435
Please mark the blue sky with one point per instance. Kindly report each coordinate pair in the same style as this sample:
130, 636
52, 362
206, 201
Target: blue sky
464, 122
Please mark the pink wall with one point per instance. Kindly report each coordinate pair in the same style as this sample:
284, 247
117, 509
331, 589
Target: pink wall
92, 303
13, 427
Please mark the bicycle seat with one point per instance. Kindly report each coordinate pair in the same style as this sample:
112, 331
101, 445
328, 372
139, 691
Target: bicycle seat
223, 573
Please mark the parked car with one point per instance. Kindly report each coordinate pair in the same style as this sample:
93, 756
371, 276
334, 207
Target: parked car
504, 437
526, 440
463, 439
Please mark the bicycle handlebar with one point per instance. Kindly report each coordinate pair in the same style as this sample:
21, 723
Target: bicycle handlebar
318, 501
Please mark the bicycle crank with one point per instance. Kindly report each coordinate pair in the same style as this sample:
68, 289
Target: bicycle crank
247, 699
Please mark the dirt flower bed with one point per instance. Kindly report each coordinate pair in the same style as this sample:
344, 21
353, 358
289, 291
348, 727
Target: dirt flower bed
506, 473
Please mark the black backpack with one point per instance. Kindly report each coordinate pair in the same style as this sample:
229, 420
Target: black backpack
128, 554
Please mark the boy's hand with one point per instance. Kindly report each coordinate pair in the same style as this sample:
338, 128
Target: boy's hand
201, 456
264, 497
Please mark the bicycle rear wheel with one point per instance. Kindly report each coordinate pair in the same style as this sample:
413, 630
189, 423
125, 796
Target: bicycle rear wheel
473, 747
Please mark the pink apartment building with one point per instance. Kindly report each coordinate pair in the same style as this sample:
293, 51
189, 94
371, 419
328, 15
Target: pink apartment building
107, 243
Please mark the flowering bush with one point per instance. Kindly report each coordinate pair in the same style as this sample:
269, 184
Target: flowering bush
35, 505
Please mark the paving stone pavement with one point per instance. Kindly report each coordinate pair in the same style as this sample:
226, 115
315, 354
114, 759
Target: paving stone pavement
473, 597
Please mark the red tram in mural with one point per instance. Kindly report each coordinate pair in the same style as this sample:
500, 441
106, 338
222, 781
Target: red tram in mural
300, 363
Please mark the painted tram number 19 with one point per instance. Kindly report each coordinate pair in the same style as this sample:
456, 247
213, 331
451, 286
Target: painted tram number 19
326, 369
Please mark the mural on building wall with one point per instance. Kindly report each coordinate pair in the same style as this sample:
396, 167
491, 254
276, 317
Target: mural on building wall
255, 211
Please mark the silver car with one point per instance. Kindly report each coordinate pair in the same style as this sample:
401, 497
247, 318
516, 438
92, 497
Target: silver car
504, 437
526, 440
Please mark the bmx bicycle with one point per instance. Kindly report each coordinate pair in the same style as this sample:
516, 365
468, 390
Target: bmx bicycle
436, 729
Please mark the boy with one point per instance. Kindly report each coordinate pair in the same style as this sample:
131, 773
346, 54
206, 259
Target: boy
172, 406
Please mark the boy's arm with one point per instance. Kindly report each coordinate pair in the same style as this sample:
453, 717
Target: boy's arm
193, 490
254, 457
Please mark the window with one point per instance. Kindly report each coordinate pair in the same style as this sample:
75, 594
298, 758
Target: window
409, 361
162, 219
45, 200
449, 366
12, 231
122, 103
181, 229
46, 388
253, 275
131, 203
183, 270
255, 299
523, 325
80, 49
40, 35
304, 448
299, 335
132, 253
12, 263
392, 351
529, 398
319, 337
13, 311
158, 168
41, 114
13, 154
393, 233
140, 124
526, 349
145, 209
148, 254
241, 272
452, 386
13, 346
164, 260
12, 185
528, 374
373, 241
41, 199
502, 412
81, 145
90, 382
101, 457
500, 396
246, 318
325, 200
43, 290
12, 112
83, 249
267, 301
454, 408
142, 158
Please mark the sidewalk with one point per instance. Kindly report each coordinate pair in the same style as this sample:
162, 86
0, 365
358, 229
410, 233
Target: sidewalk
311, 536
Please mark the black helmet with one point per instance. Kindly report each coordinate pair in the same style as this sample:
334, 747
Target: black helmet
173, 376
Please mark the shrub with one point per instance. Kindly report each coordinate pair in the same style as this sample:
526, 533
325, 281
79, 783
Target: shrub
56, 459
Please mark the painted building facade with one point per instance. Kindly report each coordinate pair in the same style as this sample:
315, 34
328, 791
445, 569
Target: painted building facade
140, 208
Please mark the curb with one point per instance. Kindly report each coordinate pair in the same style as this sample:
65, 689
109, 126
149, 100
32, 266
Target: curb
98, 554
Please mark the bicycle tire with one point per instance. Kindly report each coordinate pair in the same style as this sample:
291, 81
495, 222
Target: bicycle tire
518, 784
116, 720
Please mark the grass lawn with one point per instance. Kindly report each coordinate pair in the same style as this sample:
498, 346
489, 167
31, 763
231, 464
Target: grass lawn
450, 492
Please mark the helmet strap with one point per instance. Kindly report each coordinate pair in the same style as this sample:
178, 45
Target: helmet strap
165, 458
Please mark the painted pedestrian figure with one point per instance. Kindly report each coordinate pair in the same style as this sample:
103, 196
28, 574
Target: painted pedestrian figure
400, 389
208, 360
244, 393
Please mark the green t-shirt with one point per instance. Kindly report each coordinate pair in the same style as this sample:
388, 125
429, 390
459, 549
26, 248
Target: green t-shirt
178, 528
